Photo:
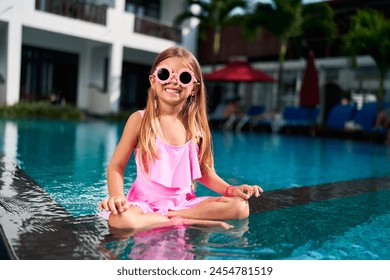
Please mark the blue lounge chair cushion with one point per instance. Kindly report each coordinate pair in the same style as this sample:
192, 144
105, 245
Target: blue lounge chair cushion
300, 115
365, 117
339, 115
256, 110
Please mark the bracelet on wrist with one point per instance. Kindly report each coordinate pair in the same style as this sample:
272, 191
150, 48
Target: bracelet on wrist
229, 191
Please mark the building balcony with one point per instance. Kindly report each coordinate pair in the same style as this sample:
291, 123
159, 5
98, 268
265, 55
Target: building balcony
74, 9
148, 26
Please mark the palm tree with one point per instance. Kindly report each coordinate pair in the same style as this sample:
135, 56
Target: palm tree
370, 34
291, 20
213, 15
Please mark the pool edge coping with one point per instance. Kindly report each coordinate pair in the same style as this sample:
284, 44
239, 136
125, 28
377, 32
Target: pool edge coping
58, 217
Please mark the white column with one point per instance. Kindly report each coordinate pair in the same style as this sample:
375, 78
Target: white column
116, 56
84, 76
14, 53
114, 86
120, 5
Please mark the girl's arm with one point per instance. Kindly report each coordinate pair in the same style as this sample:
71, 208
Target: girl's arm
211, 180
117, 165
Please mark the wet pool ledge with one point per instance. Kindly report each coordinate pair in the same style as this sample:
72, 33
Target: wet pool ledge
33, 226
277, 199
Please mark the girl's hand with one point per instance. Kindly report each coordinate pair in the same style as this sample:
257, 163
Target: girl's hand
244, 191
115, 204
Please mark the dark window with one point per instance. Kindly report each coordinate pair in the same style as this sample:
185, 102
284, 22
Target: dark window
150, 8
45, 72
134, 85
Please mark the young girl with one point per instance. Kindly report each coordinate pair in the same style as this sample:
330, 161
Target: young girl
172, 143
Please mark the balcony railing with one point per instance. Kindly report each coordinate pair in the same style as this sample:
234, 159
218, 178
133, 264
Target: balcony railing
156, 29
74, 9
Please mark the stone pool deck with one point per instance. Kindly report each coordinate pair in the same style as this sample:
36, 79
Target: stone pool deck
34, 227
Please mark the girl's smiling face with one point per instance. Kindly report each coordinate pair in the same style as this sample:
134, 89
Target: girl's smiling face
172, 92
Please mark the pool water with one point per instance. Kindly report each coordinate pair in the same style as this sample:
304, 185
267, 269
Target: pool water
332, 230
69, 159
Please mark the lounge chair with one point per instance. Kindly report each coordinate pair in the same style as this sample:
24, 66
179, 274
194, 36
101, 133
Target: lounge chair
254, 110
298, 119
300, 116
366, 116
217, 117
217, 114
366, 119
346, 122
339, 115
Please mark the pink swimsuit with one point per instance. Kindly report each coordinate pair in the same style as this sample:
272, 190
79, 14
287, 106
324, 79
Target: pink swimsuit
168, 186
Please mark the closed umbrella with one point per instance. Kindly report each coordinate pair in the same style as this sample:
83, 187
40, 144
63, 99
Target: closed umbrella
310, 93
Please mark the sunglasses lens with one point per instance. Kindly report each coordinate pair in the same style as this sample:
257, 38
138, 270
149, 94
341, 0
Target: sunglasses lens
163, 74
185, 77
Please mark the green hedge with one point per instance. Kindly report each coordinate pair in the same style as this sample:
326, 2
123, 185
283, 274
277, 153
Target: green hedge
41, 110
121, 116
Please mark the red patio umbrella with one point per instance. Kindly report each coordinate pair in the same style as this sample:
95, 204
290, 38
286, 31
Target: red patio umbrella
238, 71
310, 93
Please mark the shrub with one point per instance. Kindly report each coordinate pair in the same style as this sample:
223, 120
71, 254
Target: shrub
41, 110
120, 116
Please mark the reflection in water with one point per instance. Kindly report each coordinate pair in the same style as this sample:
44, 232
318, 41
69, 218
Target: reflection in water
162, 244
9, 148
178, 242
166, 242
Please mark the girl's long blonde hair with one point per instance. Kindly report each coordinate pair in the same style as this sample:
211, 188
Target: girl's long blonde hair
194, 115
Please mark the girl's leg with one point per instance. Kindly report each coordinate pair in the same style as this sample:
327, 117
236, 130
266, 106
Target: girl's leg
135, 220
216, 208
200, 223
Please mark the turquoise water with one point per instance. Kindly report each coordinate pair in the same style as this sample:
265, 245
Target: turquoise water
278, 162
338, 229
69, 160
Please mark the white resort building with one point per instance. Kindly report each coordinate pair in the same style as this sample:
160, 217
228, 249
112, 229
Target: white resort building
95, 54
